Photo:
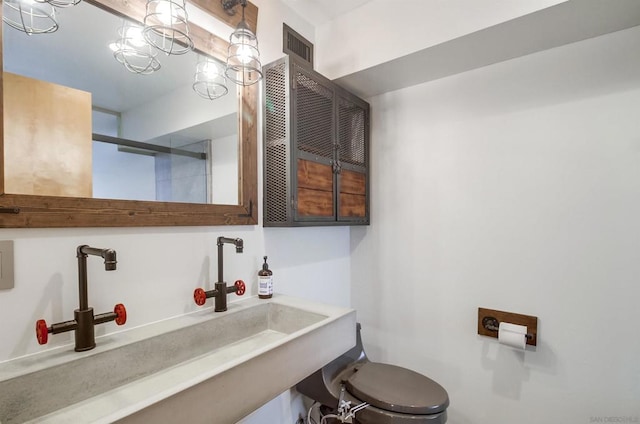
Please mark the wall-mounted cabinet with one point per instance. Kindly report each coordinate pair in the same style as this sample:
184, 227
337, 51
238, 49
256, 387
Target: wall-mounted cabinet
316, 149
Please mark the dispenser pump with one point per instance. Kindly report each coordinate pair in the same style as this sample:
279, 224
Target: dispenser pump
265, 281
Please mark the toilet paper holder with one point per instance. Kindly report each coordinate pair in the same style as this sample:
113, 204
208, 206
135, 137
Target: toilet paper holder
489, 321
492, 324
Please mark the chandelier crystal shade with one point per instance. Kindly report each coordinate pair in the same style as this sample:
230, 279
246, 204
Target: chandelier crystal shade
166, 26
29, 16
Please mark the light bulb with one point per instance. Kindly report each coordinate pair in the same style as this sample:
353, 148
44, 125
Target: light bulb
168, 13
245, 54
134, 36
210, 70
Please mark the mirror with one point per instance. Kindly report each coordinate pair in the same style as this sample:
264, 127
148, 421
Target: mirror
152, 150
212, 146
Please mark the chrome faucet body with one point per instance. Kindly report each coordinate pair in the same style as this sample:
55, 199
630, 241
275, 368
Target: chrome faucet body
220, 290
84, 320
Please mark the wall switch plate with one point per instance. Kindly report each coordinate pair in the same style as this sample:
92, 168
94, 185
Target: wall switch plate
6, 264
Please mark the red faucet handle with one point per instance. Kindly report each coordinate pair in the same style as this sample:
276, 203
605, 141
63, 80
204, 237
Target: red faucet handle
121, 314
240, 287
200, 296
42, 332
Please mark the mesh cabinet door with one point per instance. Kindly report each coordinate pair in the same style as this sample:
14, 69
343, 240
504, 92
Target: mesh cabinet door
314, 146
352, 159
277, 153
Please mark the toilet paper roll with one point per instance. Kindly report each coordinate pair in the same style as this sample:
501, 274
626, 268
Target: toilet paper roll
512, 335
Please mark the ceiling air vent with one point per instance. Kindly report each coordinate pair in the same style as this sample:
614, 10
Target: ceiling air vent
295, 44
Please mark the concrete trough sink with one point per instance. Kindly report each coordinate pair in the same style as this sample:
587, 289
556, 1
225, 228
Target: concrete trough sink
199, 368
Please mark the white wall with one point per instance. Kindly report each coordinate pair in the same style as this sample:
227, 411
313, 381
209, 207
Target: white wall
116, 174
162, 116
271, 16
224, 162
383, 30
122, 175
514, 187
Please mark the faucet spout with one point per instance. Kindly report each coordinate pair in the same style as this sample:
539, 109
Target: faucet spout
221, 241
109, 260
235, 241
109, 256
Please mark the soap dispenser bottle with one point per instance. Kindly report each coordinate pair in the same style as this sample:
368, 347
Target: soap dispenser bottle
265, 281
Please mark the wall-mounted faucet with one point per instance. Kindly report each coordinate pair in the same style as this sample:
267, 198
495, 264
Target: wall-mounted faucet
84, 321
221, 290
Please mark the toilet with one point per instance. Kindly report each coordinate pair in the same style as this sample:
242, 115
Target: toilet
395, 395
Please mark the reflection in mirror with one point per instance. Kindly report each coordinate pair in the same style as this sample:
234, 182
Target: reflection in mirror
154, 137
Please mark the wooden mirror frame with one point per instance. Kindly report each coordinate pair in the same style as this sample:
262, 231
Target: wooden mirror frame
31, 211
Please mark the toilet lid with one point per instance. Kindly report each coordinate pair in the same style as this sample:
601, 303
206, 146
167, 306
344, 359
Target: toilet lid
397, 389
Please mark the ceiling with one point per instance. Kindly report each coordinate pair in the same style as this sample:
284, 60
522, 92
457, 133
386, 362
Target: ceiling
567, 22
320, 11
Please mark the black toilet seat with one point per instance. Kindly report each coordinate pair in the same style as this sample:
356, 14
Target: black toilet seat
397, 389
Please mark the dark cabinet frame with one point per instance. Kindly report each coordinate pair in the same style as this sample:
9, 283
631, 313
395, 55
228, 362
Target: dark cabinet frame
316, 149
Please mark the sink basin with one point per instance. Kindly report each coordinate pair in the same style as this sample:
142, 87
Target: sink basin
202, 367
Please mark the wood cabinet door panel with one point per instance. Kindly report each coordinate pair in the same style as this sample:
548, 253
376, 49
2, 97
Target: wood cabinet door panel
315, 203
353, 182
315, 176
352, 205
